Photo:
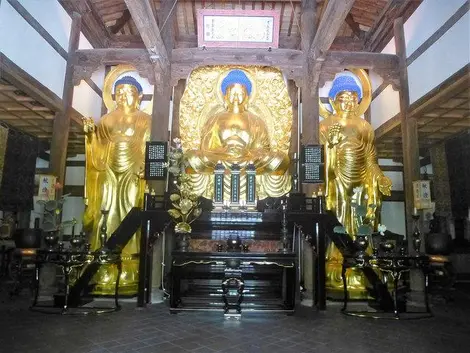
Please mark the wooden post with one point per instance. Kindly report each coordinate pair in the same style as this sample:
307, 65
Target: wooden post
409, 133
177, 94
293, 92
104, 110
441, 186
61, 127
309, 94
160, 121
409, 127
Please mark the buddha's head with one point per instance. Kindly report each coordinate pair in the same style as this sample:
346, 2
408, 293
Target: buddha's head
128, 93
236, 88
345, 94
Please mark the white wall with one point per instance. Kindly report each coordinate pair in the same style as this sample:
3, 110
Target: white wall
443, 58
27, 49
449, 54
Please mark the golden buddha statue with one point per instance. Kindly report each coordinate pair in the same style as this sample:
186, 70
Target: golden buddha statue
115, 157
353, 176
233, 131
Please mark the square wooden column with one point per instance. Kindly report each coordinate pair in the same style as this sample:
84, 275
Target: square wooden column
409, 127
160, 122
409, 133
61, 127
441, 186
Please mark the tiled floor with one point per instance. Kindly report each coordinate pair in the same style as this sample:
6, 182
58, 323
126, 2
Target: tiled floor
154, 329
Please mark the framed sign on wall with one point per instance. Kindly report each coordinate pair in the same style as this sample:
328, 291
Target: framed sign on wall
238, 28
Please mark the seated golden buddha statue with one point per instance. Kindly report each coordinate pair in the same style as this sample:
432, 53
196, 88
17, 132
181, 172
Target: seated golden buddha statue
353, 176
115, 156
236, 134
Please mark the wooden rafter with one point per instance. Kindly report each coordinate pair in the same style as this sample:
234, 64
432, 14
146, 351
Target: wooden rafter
330, 23
145, 22
93, 26
184, 60
430, 101
120, 22
190, 41
354, 26
33, 88
381, 31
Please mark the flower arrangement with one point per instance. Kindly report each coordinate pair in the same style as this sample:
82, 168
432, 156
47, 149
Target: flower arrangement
186, 204
52, 213
364, 219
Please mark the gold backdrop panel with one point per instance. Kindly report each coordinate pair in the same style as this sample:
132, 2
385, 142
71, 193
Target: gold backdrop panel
269, 100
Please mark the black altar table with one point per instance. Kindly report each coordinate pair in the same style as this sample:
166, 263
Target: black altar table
217, 225
263, 281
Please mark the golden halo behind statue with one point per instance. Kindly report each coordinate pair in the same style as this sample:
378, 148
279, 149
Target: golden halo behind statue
108, 87
220, 95
202, 99
366, 94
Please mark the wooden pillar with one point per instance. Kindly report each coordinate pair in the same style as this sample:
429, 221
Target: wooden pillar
409, 127
310, 108
160, 121
61, 127
293, 93
409, 134
310, 125
104, 110
441, 186
177, 94
309, 94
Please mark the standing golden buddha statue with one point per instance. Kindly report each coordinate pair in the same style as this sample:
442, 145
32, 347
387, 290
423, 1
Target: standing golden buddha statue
233, 125
353, 176
115, 157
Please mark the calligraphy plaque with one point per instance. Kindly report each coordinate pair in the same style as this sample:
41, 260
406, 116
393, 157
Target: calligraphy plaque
313, 164
155, 159
238, 28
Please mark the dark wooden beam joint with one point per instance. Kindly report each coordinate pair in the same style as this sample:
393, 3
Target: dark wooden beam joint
358, 32
330, 23
92, 25
143, 17
120, 22
385, 65
86, 61
183, 61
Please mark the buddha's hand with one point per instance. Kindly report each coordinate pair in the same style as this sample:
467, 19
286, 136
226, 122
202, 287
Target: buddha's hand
88, 125
385, 185
334, 134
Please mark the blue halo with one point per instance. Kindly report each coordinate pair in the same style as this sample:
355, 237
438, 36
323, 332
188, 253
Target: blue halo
128, 80
344, 83
236, 76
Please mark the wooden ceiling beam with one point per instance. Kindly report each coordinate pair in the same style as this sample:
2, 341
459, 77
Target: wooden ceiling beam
185, 60
358, 32
145, 22
441, 93
330, 23
190, 41
126, 16
93, 26
365, 60
166, 16
32, 87
381, 32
